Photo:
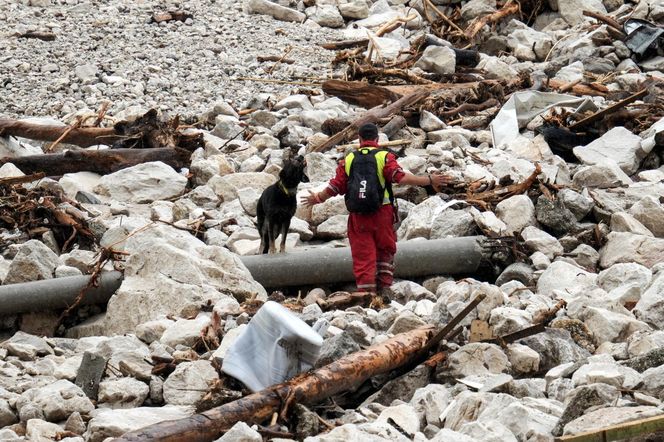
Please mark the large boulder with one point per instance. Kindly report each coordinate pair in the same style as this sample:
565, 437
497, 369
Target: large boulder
226, 187
169, 272
33, 262
561, 275
143, 183
650, 212
650, 307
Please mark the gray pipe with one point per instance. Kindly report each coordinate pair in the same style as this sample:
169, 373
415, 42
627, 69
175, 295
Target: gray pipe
56, 294
326, 265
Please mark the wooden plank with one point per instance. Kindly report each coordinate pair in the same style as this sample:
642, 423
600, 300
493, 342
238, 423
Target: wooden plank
618, 432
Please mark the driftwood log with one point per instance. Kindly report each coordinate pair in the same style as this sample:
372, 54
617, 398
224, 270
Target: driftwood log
99, 161
146, 131
371, 116
344, 374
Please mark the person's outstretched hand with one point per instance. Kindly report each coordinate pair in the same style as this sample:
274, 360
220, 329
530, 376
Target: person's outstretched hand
310, 200
438, 180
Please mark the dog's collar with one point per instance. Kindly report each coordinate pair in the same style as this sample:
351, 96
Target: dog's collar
286, 190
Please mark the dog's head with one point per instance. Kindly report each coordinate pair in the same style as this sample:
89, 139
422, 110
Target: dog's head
292, 173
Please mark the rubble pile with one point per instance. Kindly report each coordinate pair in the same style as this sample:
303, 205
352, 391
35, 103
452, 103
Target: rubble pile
549, 117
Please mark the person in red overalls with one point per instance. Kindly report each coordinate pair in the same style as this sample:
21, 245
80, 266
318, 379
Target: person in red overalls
371, 235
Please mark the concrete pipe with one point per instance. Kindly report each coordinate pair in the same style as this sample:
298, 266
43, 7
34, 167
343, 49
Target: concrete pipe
56, 294
326, 265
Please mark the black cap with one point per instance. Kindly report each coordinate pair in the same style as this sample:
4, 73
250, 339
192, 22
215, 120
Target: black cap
368, 131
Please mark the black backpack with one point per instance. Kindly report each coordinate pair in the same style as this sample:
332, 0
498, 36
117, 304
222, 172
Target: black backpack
365, 193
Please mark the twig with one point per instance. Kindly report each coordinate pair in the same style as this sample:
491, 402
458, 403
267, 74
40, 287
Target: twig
271, 80
598, 115
289, 49
76, 125
443, 16
102, 113
604, 19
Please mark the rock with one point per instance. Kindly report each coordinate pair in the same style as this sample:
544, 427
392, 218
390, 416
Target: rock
143, 183
477, 359
229, 338
582, 398
627, 247
33, 262
429, 122
489, 222
205, 168
57, 400
335, 348
650, 308
90, 371
328, 16
555, 347
528, 44
496, 68
618, 144
241, 432
605, 175
489, 431
406, 321
579, 204
650, 212
72, 183
8, 170
297, 102
7, 415
438, 60
122, 393
517, 212
228, 127
594, 420
403, 387
624, 222
170, 271
477, 8
540, 241
355, 10
623, 274
572, 10
562, 276
185, 331
523, 359
404, 416
75, 424
607, 373
115, 423
452, 223
431, 400
87, 73
506, 320
554, 215
151, 331
27, 347
38, 430
331, 207
189, 382
653, 382
227, 186
335, 227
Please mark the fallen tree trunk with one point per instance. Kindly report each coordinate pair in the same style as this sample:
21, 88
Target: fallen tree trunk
372, 116
90, 136
98, 161
309, 388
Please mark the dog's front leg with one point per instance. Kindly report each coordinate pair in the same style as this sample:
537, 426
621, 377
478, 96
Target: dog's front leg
273, 231
284, 233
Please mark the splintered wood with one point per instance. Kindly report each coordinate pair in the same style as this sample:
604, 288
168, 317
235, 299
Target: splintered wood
37, 210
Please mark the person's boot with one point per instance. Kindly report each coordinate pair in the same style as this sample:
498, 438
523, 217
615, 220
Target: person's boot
386, 295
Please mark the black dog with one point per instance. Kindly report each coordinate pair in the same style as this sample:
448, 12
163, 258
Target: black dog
278, 203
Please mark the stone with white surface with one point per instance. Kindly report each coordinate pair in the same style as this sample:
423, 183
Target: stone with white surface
122, 393
649, 211
189, 382
618, 144
142, 183
33, 262
107, 423
517, 212
438, 60
540, 241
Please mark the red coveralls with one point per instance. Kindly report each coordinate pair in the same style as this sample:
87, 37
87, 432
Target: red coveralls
373, 241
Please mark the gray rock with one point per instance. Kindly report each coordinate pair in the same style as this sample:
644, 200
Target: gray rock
572, 10
582, 398
355, 10
320, 168
403, 387
335, 348
517, 212
452, 223
33, 262
115, 423
594, 420
579, 204
228, 127
431, 400
57, 400
143, 183
624, 222
555, 347
650, 307
275, 10
122, 393
336, 227
627, 247
429, 122
185, 331
618, 144
7, 415
554, 215
189, 382
478, 359
561, 276
328, 16
601, 176
650, 212
477, 8
540, 241
438, 60
241, 432
27, 347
